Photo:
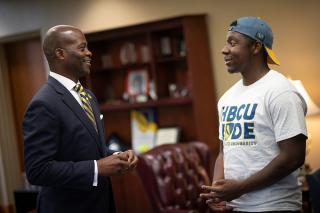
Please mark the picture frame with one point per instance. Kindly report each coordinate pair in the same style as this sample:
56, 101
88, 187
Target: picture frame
165, 46
167, 135
137, 82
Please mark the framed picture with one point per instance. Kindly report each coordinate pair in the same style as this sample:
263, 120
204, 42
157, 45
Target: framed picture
165, 46
137, 82
167, 135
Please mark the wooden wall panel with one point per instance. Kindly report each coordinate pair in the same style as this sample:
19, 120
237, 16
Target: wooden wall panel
26, 75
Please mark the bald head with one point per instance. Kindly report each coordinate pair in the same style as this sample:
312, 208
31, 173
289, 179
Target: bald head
57, 37
67, 52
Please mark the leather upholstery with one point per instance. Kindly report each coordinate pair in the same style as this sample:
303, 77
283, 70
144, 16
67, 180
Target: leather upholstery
172, 175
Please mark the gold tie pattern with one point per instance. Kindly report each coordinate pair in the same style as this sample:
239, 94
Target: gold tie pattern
84, 97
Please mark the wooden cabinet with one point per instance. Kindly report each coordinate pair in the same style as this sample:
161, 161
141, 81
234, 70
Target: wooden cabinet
174, 55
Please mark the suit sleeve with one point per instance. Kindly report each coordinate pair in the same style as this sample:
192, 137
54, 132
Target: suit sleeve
41, 143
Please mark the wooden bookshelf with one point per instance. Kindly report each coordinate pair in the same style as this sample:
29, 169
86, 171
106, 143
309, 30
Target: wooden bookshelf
172, 51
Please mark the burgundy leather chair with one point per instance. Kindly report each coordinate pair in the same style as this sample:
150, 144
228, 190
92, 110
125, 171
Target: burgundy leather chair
172, 175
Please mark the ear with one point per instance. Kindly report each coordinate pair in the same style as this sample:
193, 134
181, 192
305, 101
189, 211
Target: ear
257, 47
59, 53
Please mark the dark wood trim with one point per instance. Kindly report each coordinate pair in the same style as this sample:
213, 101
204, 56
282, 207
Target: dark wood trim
6, 209
156, 103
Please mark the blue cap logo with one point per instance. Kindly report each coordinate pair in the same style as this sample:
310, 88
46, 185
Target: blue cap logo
260, 36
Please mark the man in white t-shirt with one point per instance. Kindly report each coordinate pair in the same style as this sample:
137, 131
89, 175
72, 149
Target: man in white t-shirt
262, 129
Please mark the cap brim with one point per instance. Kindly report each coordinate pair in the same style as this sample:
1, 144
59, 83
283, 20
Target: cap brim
272, 58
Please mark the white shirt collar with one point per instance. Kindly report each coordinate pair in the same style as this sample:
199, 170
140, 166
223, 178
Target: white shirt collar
66, 82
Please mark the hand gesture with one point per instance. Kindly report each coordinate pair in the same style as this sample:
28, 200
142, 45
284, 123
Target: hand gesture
219, 207
117, 164
213, 202
132, 159
225, 189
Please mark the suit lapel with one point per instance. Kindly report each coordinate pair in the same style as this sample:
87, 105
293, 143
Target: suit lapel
74, 106
95, 108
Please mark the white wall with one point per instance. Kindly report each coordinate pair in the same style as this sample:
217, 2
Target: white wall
294, 22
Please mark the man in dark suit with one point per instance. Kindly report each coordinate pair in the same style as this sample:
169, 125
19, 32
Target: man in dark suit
64, 146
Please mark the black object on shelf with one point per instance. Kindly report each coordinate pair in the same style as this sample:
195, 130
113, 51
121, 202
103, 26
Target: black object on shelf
115, 143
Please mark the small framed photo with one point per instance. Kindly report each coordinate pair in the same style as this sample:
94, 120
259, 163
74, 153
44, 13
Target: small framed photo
167, 135
165, 46
137, 82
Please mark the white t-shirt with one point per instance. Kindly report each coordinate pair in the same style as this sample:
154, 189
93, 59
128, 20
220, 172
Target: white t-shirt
252, 120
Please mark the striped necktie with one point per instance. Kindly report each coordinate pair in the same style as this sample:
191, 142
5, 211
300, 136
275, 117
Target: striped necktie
84, 97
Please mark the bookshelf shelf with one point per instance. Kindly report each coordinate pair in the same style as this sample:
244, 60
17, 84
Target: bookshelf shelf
171, 59
121, 68
119, 105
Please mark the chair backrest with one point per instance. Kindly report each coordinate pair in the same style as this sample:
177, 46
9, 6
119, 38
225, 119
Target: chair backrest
313, 181
172, 175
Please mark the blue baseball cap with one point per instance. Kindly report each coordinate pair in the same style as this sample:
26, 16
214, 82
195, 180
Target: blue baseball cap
258, 30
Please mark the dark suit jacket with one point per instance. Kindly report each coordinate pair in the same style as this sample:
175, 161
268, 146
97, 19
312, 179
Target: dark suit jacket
60, 144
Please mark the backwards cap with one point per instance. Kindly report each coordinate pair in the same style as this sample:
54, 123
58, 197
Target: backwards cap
258, 30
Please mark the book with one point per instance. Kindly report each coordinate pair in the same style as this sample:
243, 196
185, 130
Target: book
143, 129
